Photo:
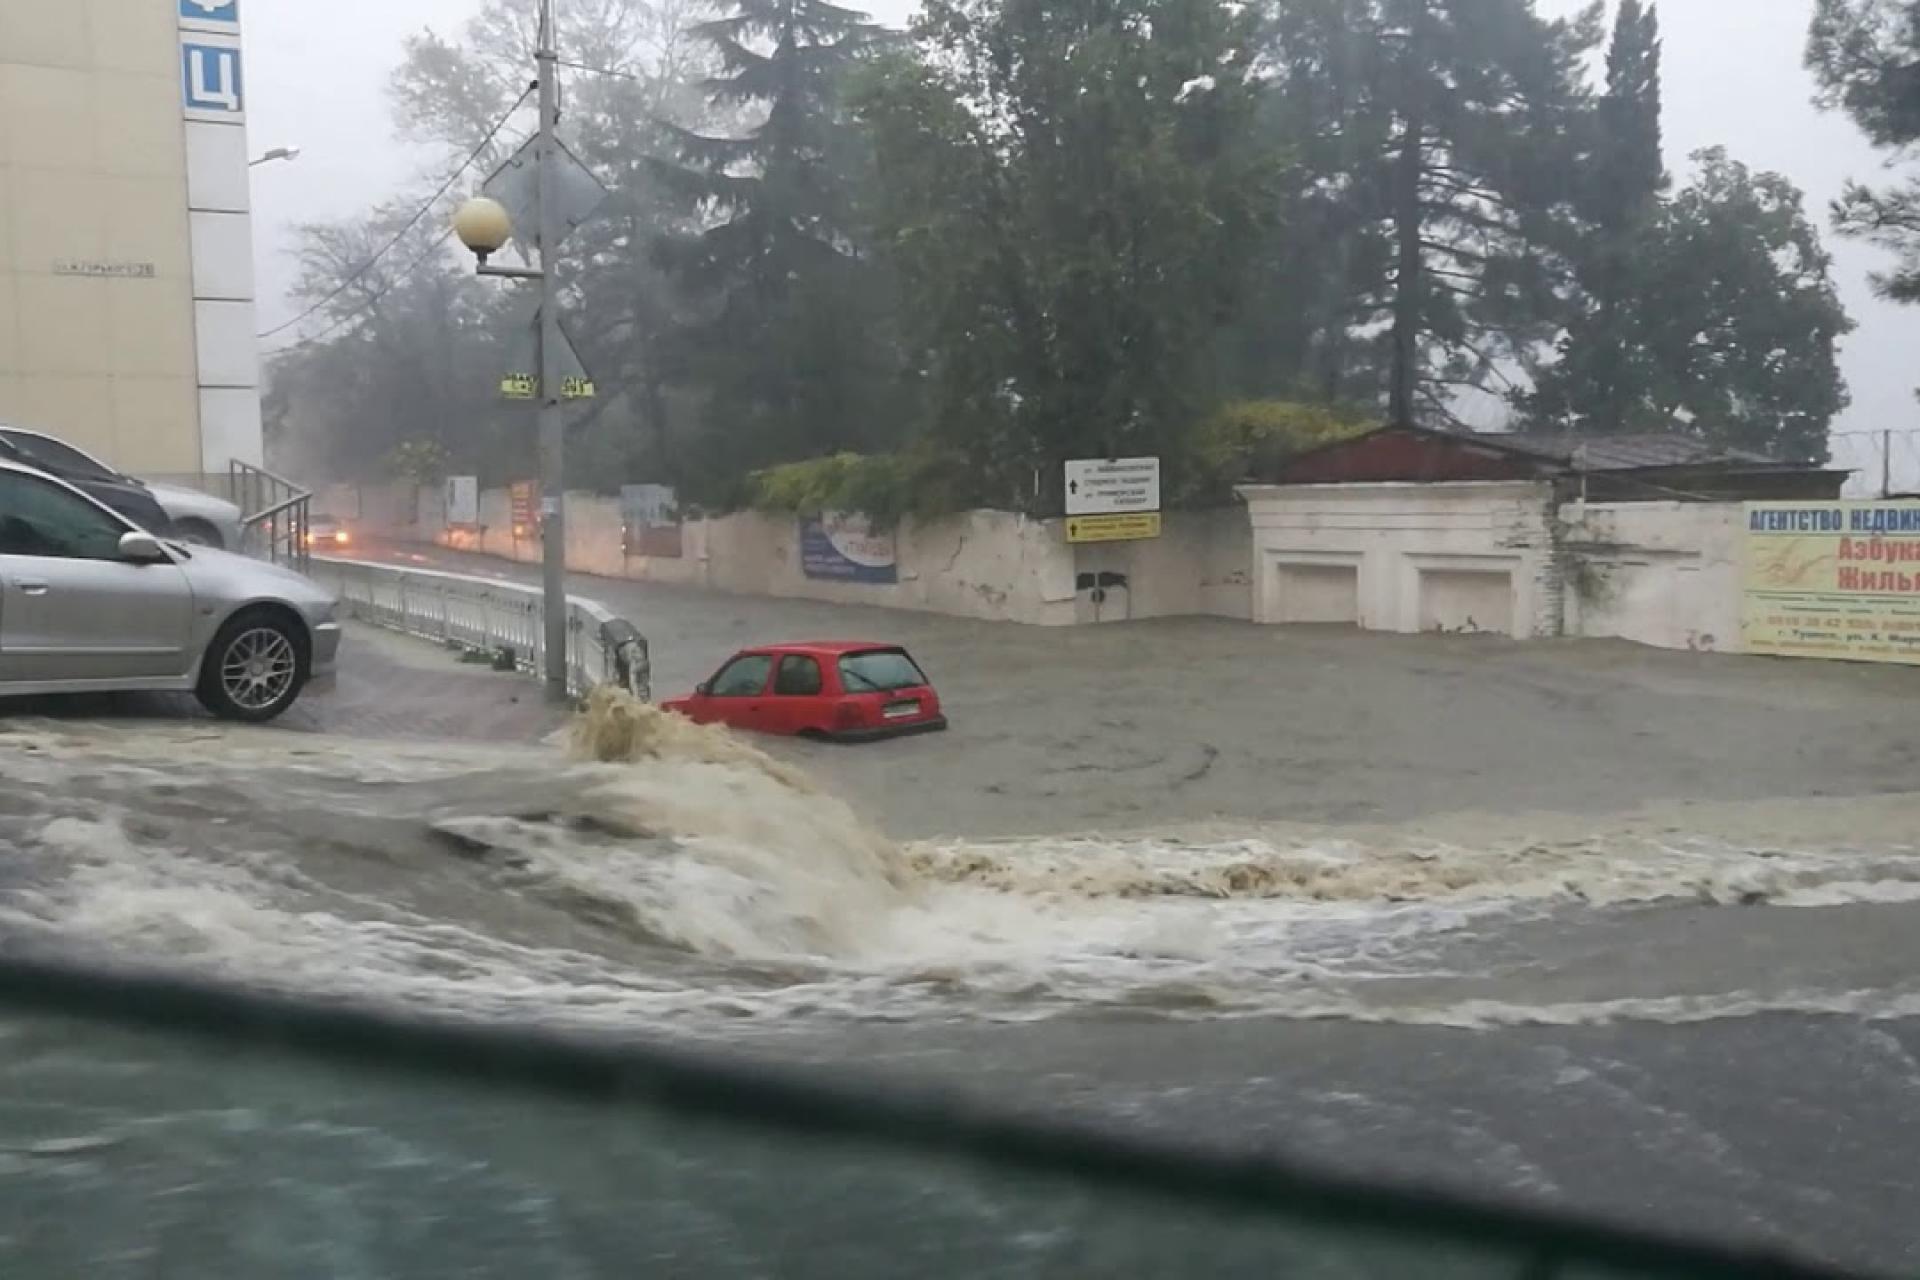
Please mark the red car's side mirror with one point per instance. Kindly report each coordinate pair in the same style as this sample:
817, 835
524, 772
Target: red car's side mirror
704, 688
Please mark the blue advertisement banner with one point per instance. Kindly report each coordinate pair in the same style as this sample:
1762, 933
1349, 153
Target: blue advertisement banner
844, 548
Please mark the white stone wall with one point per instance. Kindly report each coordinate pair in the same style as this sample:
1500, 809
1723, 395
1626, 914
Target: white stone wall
1388, 557
980, 564
1197, 566
1468, 556
1661, 573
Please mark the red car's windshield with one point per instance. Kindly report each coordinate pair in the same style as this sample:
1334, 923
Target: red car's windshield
880, 672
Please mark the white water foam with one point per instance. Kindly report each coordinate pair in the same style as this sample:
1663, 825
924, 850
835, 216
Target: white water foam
691, 879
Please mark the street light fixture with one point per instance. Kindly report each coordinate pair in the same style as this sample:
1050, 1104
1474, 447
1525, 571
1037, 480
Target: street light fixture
484, 226
277, 153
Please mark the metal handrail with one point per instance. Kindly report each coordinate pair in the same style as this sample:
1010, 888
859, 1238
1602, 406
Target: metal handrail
276, 509
500, 619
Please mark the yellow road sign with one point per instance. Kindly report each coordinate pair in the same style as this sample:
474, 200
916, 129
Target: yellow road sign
1132, 526
521, 386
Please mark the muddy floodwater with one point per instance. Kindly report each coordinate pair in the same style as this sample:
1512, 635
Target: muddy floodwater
1695, 1015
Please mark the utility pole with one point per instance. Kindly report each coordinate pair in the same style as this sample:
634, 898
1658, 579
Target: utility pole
1886, 463
553, 431
552, 195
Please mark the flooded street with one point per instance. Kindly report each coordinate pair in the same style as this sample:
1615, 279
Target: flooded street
703, 885
1697, 1015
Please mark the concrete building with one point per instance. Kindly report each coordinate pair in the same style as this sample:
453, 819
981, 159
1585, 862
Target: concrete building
1411, 530
126, 258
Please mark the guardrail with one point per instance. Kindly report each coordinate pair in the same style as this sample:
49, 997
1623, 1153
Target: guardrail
501, 619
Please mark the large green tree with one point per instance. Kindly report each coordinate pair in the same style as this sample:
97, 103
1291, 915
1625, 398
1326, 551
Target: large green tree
1866, 57
1710, 313
1735, 325
1600, 379
790, 346
1070, 191
1439, 142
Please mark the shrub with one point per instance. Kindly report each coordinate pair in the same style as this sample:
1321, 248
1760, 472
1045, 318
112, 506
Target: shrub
1250, 439
883, 487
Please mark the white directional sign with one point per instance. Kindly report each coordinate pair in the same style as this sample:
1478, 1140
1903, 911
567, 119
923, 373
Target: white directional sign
1113, 486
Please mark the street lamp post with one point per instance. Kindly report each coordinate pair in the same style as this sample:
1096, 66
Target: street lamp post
484, 226
277, 153
553, 436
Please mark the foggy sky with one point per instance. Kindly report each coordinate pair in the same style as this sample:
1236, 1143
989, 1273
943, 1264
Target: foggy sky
318, 76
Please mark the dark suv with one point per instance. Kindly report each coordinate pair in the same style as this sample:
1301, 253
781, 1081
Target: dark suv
127, 496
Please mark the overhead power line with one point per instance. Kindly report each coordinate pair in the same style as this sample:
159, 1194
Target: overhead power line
401, 234
603, 71
404, 272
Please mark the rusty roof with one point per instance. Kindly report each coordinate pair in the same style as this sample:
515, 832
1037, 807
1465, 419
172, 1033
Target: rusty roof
1629, 452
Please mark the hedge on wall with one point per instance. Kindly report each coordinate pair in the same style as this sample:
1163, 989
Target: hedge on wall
883, 487
1248, 440
1243, 440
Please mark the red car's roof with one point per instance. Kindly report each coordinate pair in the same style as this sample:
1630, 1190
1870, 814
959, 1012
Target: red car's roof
828, 648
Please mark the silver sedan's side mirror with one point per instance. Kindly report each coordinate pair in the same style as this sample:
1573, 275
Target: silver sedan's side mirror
141, 548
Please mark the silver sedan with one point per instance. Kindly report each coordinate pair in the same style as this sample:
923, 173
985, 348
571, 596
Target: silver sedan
90, 603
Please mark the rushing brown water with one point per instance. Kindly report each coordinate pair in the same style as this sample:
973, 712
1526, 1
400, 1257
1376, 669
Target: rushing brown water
651, 871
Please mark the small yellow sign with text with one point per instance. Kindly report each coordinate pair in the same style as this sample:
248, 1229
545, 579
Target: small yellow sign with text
1133, 526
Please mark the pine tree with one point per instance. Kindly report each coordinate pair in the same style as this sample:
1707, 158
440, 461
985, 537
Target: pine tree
1073, 188
1866, 56
1600, 382
788, 354
1439, 142
1632, 170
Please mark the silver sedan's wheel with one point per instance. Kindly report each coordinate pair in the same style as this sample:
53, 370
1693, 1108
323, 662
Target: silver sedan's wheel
259, 668
253, 670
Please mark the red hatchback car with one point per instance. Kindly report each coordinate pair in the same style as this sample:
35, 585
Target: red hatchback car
842, 690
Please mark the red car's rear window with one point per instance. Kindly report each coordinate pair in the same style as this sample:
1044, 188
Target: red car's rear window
880, 671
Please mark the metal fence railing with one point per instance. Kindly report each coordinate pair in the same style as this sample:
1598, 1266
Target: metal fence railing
502, 619
276, 512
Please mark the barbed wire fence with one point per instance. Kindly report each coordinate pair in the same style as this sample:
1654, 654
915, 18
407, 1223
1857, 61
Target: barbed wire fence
1884, 463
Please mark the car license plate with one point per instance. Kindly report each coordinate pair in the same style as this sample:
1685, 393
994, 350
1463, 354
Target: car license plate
902, 710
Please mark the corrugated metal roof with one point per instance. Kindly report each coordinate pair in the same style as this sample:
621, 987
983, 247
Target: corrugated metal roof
1627, 452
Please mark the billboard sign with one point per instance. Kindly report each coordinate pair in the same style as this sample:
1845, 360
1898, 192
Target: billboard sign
525, 496
463, 501
650, 521
846, 548
1833, 580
